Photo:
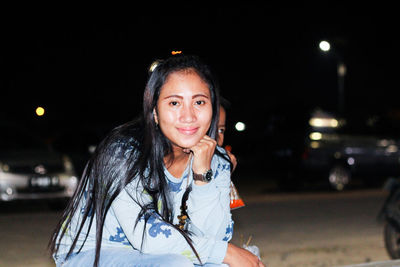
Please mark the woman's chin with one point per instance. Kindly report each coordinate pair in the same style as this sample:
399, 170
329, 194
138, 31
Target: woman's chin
187, 145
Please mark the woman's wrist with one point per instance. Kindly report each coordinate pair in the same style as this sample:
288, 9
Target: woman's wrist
200, 183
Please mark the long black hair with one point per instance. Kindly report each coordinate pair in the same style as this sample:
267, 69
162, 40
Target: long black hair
131, 151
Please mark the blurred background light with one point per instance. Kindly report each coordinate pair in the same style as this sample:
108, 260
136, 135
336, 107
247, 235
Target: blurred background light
240, 126
324, 122
392, 149
324, 46
315, 136
314, 144
40, 111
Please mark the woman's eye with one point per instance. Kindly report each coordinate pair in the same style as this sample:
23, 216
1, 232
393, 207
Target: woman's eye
200, 102
221, 130
173, 103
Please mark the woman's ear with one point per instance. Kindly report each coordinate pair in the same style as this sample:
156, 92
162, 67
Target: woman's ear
155, 116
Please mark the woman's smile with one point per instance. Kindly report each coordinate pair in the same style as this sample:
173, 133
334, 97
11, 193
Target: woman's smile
188, 130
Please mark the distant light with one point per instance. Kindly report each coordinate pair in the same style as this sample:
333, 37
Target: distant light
9, 191
315, 144
324, 46
342, 69
39, 111
351, 161
240, 126
315, 136
349, 150
392, 149
383, 143
176, 52
324, 122
92, 149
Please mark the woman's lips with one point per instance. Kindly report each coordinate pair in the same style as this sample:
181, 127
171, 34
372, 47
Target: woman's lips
188, 131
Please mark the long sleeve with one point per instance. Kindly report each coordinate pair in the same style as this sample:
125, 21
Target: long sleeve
159, 237
208, 205
153, 236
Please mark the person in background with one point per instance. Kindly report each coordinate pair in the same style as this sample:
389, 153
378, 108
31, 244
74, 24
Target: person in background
235, 200
156, 191
222, 128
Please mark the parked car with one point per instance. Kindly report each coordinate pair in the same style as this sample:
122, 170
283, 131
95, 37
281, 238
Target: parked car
362, 147
29, 169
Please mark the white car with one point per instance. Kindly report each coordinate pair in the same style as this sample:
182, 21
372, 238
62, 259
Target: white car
29, 170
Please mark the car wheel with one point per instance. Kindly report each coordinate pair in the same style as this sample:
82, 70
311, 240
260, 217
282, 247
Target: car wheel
391, 228
392, 240
339, 177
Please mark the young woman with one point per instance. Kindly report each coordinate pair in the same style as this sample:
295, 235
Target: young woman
156, 192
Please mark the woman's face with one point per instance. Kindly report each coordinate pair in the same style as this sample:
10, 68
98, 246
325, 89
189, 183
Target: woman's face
184, 108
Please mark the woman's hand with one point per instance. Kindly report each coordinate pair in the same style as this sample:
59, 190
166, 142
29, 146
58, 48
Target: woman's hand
240, 257
203, 152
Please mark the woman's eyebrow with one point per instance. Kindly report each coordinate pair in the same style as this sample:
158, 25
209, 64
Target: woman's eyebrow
173, 96
181, 97
200, 95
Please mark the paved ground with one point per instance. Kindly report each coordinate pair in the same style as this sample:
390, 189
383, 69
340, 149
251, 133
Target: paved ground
313, 229
298, 229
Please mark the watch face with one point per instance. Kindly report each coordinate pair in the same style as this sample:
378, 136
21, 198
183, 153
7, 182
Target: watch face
208, 175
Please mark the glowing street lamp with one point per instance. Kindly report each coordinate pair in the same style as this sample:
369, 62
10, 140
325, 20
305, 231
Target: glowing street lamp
40, 111
240, 126
325, 46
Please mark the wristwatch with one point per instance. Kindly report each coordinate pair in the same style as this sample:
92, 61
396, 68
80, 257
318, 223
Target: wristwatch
205, 177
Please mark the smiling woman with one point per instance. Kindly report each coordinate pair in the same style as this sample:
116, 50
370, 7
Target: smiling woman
184, 108
157, 189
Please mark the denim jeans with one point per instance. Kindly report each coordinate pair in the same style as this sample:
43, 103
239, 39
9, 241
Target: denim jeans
116, 257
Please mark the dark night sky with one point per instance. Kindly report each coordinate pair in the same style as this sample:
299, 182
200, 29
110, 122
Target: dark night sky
89, 70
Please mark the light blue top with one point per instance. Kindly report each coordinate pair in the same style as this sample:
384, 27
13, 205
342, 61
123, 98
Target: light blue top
208, 209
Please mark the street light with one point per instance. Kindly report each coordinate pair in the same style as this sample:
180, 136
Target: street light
240, 126
39, 111
325, 46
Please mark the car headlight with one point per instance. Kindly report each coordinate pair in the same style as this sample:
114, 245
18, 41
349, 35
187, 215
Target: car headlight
71, 185
69, 182
68, 166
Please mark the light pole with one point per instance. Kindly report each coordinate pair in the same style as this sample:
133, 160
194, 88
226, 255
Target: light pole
341, 73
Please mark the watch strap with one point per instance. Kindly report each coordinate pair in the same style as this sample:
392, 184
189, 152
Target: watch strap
205, 177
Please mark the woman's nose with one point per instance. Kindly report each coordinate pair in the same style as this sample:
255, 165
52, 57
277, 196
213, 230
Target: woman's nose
187, 115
